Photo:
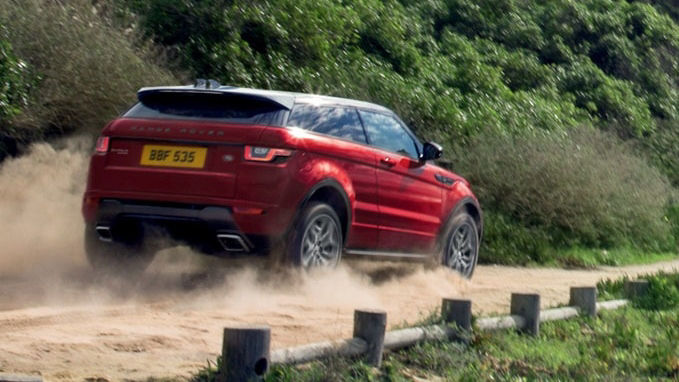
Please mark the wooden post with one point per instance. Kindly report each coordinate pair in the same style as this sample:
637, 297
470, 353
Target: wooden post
245, 353
370, 326
458, 312
528, 307
636, 288
585, 299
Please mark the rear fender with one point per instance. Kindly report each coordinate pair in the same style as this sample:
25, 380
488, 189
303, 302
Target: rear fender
319, 174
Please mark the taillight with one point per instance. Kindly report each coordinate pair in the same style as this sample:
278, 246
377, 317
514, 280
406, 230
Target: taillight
265, 154
102, 144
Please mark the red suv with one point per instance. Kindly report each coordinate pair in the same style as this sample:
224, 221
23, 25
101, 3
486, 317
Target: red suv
234, 170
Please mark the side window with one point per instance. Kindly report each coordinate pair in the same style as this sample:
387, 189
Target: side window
341, 122
387, 133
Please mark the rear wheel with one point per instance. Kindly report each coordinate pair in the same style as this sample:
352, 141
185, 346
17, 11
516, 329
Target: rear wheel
316, 238
115, 258
460, 249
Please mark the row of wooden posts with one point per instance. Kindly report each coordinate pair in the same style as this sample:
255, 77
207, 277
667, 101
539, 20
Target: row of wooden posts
246, 353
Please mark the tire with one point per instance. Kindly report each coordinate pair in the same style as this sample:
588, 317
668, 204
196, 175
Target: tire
316, 238
460, 245
116, 259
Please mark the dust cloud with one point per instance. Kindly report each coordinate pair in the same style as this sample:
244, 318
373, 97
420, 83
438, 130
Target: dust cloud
59, 320
42, 261
40, 223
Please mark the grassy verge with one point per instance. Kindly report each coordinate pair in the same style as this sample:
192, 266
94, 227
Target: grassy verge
633, 343
583, 258
590, 258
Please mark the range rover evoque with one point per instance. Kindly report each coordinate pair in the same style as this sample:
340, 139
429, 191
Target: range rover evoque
247, 171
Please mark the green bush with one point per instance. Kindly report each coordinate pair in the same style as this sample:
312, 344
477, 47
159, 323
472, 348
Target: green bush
88, 71
663, 149
14, 87
585, 188
453, 69
508, 241
396, 53
662, 294
610, 100
13, 81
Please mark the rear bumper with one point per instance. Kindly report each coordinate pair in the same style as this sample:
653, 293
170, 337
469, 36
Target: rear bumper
251, 217
211, 229
215, 217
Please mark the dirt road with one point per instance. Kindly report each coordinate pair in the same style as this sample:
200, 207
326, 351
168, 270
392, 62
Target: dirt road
72, 327
58, 321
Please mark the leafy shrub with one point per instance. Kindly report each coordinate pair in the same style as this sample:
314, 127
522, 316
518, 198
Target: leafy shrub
663, 292
396, 53
88, 71
454, 69
672, 218
508, 241
610, 100
663, 150
583, 188
14, 86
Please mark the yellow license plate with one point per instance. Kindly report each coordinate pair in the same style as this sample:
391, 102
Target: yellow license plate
173, 156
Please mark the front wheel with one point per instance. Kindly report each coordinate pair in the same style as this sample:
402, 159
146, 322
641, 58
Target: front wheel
316, 238
461, 244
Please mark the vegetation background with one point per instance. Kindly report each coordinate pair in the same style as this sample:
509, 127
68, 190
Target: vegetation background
564, 114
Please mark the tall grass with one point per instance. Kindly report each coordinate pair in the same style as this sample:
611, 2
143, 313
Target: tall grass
86, 71
583, 188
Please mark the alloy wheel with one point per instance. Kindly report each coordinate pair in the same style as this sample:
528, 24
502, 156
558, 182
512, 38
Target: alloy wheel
321, 243
462, 249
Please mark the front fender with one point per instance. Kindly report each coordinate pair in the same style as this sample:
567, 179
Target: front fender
459, 198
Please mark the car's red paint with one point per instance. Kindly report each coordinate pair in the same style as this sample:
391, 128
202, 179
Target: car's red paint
395, 203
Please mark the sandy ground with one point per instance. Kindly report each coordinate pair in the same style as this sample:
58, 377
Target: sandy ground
170, 324
57, 321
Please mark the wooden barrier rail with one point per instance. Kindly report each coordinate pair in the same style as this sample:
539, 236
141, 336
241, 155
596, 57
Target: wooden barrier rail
246, 354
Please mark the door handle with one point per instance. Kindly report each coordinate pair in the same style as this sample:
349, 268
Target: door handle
388, 161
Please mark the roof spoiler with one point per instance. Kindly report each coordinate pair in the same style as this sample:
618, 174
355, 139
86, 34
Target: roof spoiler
204, 86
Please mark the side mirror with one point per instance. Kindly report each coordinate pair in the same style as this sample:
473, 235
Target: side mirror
431, 151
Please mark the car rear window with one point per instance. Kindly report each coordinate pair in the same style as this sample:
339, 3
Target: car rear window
234, 108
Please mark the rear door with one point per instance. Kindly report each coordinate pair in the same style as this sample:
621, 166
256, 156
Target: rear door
409, 198
342, 139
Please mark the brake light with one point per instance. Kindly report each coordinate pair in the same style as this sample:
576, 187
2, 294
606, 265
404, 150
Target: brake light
265, 154
102, 144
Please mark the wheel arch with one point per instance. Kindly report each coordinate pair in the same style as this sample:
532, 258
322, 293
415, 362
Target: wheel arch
330, 191
471, 206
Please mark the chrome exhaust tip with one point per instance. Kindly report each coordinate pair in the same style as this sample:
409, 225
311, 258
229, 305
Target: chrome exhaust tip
233, 242
104, 233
